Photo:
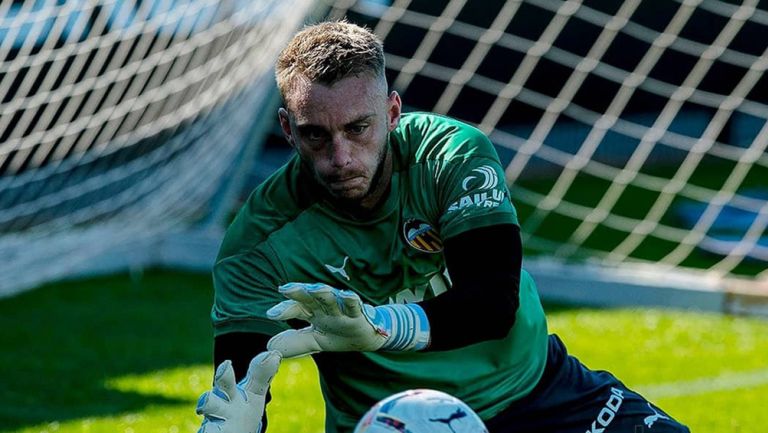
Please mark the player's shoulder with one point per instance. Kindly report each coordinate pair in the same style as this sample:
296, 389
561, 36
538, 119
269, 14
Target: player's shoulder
428, 136
272, 205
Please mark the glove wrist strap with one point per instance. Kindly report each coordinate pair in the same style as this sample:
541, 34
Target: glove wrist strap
406, 324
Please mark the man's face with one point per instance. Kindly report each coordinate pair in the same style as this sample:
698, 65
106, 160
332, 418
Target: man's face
340, 132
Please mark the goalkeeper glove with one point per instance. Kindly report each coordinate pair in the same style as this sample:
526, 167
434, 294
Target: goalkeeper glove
238, 408
340, 321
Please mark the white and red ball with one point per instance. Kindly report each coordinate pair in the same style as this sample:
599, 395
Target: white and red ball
421, 411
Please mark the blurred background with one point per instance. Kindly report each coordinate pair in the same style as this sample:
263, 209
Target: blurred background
633, 133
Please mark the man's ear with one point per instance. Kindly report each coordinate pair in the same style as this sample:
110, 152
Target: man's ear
393, 111
285, 125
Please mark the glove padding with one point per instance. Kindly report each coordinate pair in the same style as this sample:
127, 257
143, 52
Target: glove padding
238, 408
341, 322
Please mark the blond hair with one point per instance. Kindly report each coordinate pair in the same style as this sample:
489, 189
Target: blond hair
328, 52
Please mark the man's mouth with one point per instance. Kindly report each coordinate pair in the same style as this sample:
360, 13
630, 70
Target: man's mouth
346, 183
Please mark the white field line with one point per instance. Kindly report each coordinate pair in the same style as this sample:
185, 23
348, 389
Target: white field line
723, 382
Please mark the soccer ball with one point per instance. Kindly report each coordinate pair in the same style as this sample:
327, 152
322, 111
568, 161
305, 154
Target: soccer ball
421, 411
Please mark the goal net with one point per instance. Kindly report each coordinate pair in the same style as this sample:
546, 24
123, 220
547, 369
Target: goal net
633, 133
123, 121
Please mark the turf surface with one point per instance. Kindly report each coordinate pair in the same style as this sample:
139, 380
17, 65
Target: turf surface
130, 355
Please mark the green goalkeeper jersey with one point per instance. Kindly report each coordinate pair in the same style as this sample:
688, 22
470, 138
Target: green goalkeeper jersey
447, 179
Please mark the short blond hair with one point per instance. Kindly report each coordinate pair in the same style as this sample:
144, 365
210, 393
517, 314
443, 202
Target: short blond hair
328, 52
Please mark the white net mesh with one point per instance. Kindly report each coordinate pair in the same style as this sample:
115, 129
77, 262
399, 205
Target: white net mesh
631, 131
119, 120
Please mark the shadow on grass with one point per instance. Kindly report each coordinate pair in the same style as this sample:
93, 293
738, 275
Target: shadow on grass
62, 343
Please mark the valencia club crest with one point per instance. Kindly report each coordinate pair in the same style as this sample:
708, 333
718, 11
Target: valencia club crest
422, 236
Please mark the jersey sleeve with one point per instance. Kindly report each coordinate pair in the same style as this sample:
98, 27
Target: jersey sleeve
473, 191
245, 287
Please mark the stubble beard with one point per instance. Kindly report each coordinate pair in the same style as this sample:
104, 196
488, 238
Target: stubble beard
353, 204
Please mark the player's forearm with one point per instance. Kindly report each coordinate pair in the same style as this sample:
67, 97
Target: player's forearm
240, 348
484, 265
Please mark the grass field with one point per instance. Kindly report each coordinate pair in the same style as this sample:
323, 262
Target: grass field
122, 355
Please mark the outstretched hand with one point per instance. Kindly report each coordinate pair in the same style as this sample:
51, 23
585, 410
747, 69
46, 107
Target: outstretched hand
340, 321
238, 408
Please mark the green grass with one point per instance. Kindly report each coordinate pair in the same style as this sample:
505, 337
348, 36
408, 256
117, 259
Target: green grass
131, 356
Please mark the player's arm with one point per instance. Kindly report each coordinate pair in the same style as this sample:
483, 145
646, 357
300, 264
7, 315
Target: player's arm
244, 286
484, 265
480, 306
239, 348
482, 246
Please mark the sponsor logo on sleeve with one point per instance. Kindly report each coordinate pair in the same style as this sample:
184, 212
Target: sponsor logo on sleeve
484, 184
486, 179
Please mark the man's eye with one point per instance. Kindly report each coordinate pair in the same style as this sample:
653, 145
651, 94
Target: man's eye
314, 135
357, 129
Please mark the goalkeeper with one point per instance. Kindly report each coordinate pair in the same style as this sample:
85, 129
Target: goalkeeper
388, 248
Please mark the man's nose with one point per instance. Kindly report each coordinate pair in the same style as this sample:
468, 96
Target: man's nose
341, 152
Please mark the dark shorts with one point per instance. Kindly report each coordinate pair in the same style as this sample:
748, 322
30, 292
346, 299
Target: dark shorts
570, 398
